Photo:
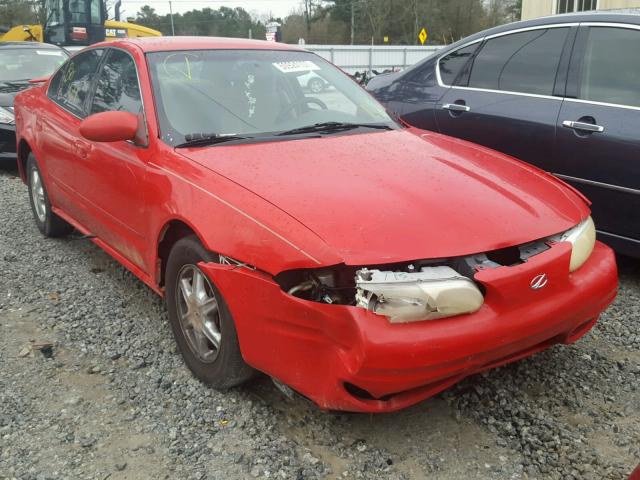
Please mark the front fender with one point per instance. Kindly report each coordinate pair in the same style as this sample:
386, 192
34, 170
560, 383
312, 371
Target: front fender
229, 219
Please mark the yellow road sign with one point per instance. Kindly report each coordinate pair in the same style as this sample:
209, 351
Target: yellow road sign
423, 36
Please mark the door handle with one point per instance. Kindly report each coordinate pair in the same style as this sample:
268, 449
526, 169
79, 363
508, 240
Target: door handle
82, 149
456, 107
584, 126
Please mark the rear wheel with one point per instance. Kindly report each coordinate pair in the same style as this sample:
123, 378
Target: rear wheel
49, 224
200, 319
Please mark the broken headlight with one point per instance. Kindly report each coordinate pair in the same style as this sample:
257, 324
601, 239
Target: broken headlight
428, 294
7, 116
582, 238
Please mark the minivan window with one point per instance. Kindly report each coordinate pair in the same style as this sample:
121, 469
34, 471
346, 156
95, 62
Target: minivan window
524, 62
610, 70
451, 65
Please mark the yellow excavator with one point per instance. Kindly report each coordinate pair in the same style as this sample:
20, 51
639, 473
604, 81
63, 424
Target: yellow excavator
77, 23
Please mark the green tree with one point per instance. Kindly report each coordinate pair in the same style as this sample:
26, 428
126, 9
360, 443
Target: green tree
18, 12
223, 22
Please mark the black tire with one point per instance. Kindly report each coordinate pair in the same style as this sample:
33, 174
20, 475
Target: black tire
316, 85
49, 224
228, 369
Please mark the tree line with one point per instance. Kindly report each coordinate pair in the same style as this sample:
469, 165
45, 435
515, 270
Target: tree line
394, 22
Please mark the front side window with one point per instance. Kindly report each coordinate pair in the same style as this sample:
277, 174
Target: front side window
524, 62
452, 64
22, 64
74, 82
611, 66
253, 92
117, 85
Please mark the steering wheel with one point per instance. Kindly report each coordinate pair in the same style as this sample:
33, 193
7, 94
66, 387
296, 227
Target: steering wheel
302, 101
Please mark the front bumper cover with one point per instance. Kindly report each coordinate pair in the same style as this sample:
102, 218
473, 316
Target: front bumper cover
7, 142
347, 358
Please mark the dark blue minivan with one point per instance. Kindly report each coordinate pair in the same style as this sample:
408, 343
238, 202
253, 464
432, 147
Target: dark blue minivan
562, 93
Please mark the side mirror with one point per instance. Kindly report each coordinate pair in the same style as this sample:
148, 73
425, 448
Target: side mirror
109, 127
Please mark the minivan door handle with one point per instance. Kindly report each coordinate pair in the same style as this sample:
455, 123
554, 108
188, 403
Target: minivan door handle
456, 107
584, 126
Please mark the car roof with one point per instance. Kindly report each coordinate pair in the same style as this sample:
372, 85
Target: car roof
38, 45
623, 16
161, 44
629, 16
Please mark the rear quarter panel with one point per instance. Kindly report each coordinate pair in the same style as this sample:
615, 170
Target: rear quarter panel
28, 105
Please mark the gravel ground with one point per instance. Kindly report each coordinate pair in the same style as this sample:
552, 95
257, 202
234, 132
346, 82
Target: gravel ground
115, 401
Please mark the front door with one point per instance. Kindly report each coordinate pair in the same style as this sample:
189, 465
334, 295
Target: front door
59, 128
506, 97
112, 175
598, 139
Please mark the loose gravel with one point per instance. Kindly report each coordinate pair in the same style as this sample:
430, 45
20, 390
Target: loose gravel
112, 398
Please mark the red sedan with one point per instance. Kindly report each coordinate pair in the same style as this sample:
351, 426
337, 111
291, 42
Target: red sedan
302, 234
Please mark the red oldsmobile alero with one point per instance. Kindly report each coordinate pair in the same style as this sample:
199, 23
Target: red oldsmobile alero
306, 234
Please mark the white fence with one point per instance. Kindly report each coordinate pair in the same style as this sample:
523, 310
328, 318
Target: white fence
360, 58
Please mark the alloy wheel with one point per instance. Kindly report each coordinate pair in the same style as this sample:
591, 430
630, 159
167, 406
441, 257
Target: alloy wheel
37, 195
198, 313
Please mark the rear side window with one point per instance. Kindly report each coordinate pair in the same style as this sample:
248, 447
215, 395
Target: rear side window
524, 62
451, 65
611, 66
117, 85
71, 85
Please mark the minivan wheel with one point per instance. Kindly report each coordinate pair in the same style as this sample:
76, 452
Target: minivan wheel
200, 319
49, 224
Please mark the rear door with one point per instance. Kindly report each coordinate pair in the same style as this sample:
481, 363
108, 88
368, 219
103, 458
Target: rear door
58, 127
598, 134
420, 90
509, 93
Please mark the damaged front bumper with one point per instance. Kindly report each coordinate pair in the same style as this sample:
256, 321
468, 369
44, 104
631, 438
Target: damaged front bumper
348, 358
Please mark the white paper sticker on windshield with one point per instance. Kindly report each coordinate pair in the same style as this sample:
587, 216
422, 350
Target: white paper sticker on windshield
54, 53
297, 66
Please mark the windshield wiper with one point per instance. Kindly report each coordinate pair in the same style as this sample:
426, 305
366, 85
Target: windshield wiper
328, 127
205, 139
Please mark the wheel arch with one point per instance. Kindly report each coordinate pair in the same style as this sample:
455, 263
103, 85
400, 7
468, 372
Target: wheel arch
172, 231
24, 149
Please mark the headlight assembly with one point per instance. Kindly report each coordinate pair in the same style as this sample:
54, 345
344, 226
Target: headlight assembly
408, 293
582, 238
6, 116
431, 293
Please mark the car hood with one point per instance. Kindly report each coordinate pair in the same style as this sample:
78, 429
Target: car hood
6, 99
383, 197
9, 91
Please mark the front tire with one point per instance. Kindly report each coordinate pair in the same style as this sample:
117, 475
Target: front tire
49, 224
200, 319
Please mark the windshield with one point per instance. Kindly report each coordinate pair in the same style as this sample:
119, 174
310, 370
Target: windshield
253, 92
25, 63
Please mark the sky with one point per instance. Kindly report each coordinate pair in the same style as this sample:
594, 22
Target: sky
279, 8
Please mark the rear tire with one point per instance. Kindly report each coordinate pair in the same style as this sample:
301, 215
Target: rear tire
49, 224
200, 318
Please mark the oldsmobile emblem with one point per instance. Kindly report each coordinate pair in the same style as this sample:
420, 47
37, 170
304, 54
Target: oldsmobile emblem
539, 281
